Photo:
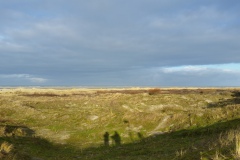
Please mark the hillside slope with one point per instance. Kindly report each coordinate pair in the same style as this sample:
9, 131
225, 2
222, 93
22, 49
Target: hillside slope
152, 123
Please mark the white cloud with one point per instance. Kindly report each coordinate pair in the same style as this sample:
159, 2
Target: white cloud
224, 68
37, 80
197, 75
184, 69
25, 77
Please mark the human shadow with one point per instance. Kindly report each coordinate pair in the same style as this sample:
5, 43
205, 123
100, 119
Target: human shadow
182, 144
116, 138
157, 147
224, 102
106, 139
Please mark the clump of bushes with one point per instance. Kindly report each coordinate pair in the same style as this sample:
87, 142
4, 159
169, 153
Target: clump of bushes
154, 91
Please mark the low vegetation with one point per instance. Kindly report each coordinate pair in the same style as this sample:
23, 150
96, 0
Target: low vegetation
152, 123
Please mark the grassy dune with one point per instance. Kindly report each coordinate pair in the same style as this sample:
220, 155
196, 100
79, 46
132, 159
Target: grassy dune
153, 123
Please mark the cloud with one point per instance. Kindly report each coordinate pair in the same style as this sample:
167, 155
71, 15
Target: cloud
23, 77
199, 75
184, 69
223, 68
108, 41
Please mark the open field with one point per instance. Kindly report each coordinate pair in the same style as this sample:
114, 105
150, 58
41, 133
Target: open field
169, 123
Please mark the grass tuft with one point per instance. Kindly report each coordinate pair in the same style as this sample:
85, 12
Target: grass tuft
237, 145
6, 148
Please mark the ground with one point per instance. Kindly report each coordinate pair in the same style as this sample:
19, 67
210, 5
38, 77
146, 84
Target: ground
153, 123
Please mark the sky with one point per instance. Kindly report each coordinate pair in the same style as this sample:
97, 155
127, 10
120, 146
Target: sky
119, 43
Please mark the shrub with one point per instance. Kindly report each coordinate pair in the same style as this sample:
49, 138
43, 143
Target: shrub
154, 91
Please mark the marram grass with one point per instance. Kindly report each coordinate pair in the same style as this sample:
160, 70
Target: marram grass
152, 123
237, 145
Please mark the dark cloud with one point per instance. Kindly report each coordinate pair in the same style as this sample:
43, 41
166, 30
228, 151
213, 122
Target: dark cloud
116, 42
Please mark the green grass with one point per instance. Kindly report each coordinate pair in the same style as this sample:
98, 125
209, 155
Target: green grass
191, 143
175, 124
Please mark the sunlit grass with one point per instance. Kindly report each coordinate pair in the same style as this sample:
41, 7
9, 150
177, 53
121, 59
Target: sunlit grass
237, 145
79, 118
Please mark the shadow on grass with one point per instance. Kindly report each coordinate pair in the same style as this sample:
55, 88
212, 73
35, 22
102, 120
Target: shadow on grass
16, 130
26, 143
184, 144
221, 103
41, 148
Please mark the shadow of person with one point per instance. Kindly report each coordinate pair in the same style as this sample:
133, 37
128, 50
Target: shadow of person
106, 139
116, 138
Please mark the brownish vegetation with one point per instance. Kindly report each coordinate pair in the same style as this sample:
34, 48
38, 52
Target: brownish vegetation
154, 91
123, 91
44, 95
153, 123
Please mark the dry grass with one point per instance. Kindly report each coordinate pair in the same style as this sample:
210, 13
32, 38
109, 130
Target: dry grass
80, 117
9, 152
74, 113
237, 145
6, 148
